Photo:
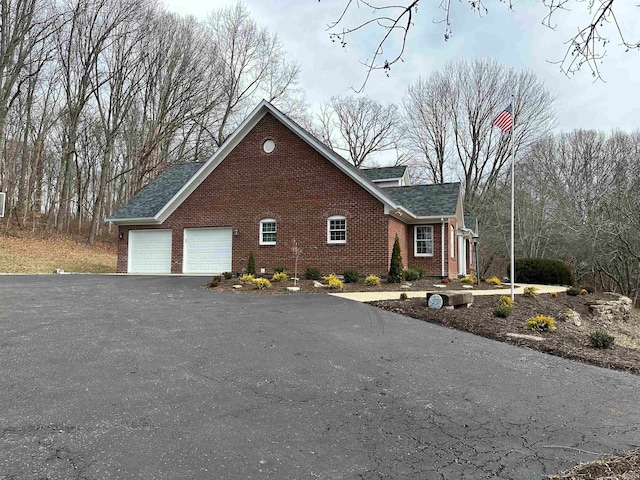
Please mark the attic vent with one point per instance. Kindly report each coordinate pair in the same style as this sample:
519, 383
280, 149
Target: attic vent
269, 146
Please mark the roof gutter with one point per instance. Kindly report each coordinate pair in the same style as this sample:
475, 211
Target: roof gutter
134, 221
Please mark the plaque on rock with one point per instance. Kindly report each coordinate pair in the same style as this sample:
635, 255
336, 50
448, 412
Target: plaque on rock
435, 301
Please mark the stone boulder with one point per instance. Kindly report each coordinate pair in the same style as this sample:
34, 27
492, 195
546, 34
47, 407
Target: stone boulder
570, 316
618, 308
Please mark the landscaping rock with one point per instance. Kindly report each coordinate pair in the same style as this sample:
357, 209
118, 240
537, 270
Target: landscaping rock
317, 284
454, 300
525, 337
618, 308
571, 316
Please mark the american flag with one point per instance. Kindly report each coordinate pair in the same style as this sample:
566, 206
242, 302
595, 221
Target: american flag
504, 121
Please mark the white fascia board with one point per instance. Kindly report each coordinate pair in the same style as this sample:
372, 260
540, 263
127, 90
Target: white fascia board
418, 220
387, 180
134, 221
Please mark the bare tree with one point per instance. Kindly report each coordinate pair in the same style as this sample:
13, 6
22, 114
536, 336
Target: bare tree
84, 32
253, 67
390, 23
586, 185
427, 126
359, 126
449, 117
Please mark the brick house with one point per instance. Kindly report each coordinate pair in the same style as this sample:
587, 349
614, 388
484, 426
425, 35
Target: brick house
272, 182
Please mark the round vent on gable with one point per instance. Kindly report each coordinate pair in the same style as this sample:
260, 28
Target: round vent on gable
269, 146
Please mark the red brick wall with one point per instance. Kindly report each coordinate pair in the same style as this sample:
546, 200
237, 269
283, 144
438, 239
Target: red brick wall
452, 262
431, 265
294, 185
396, 227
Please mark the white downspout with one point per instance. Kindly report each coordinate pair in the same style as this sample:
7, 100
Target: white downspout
442, 246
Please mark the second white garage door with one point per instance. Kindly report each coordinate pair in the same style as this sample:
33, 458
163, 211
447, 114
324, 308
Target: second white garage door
207, 250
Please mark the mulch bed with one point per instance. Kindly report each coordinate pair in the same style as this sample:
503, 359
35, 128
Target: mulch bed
568, 341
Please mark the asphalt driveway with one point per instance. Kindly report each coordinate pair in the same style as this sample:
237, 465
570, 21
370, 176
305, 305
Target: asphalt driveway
108, 377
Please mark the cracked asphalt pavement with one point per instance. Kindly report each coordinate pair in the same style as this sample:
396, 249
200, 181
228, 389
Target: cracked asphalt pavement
108, 377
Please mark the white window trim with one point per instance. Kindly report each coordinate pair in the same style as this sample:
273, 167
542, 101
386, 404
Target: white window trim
415, 241
336, 217
262, 222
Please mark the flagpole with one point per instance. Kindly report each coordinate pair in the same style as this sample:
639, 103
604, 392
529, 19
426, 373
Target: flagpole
513, 161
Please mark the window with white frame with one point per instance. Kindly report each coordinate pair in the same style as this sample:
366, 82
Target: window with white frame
423, 240
337, 229
268, 231
452, 241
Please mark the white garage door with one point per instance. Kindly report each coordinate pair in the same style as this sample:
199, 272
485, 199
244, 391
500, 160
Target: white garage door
207, 250
149, 251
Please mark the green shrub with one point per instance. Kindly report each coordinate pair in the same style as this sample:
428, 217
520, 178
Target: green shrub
421, 271
494, 281
541, 323
542, 270
215, 281
279, 277
333, 282
247, 278
531, 292
573, 292
502, 310
601, 340
588, 288
504, 300
411, 275
372, 281
312, 273
262, 283
350, 276
280, 269
227, 275
469, 280
396, 268
251, 264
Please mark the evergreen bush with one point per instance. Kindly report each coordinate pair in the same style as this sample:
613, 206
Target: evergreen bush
350, 276
543, 271
396, 268
251, 265
312, 273
601, 340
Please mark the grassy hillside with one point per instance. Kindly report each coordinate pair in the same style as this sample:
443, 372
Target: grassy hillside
22, 253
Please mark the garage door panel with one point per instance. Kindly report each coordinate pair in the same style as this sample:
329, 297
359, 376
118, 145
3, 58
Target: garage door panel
207, 250
149, 251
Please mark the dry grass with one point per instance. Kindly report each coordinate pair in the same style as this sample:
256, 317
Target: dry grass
622, 467
23, 253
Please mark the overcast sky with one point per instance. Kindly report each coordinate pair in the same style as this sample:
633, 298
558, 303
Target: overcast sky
513, 38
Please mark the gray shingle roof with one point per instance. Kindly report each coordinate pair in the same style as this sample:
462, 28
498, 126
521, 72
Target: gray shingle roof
427, 200
384, 173
152, 198
470, 221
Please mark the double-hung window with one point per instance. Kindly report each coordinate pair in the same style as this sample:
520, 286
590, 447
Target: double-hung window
423, 241
268, 231
337, 229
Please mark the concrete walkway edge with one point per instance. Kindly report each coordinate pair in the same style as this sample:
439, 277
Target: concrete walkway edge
395, 295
